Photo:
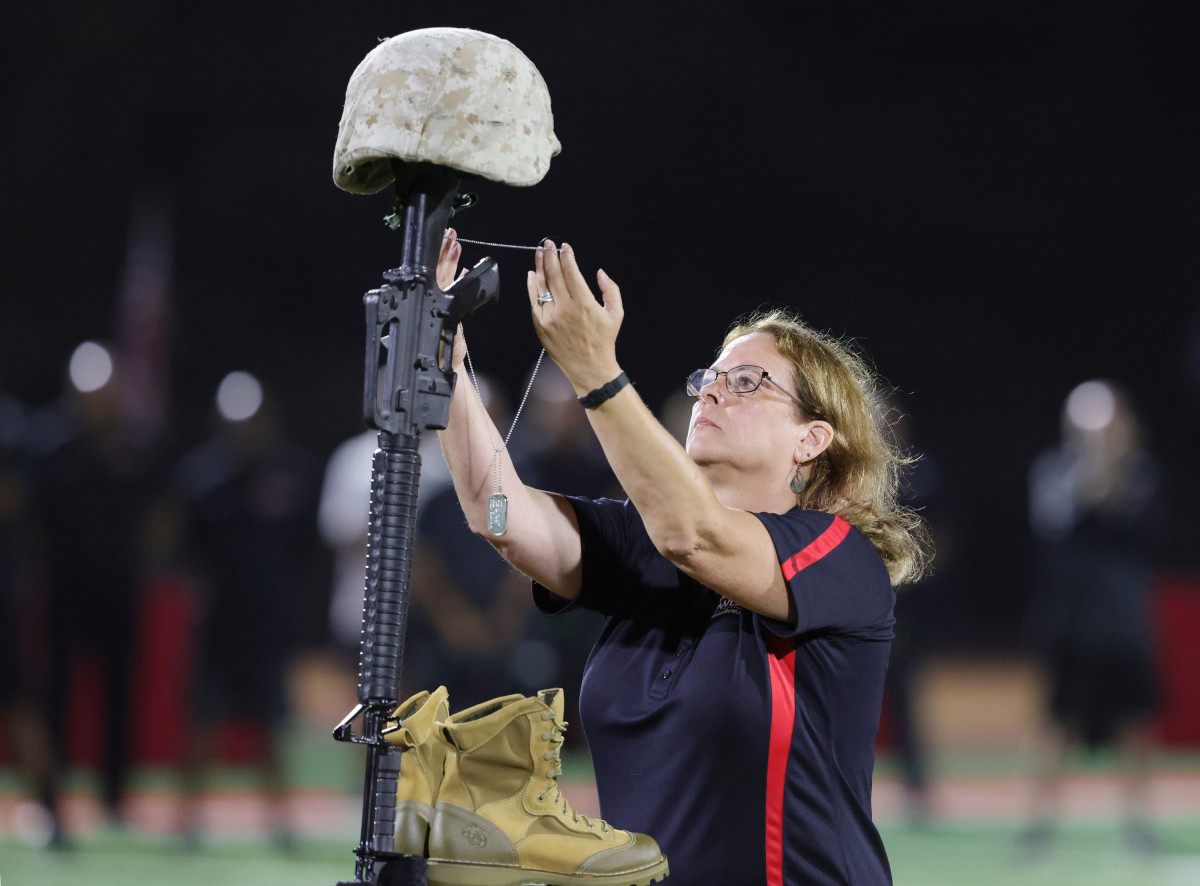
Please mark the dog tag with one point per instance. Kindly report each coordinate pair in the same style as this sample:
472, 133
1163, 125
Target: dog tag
497, 513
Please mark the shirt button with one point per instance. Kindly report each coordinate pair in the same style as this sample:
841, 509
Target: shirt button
666, 673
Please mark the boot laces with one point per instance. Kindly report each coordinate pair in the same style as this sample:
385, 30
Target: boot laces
555, 737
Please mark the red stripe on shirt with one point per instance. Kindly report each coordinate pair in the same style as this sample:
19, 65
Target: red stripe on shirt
818, 548
781, 662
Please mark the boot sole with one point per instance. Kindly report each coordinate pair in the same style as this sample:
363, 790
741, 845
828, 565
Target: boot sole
452, 873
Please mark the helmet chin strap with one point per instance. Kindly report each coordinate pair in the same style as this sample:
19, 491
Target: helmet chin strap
406, 176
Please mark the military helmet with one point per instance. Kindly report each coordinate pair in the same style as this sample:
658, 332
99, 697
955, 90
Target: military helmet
447, 96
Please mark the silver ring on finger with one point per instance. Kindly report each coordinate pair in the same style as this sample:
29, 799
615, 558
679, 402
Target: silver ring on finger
545, 297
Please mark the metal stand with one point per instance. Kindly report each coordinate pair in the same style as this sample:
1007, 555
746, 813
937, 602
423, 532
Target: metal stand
408, 384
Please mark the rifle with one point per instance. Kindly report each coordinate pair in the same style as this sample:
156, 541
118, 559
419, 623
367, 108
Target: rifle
407, 386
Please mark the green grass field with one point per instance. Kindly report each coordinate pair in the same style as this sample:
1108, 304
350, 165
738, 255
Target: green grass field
934, 855
979, 849
991, 855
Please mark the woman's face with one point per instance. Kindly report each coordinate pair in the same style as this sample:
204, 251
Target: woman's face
759, 430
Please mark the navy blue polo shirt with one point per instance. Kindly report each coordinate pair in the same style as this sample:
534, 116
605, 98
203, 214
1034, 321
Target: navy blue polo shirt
745, 746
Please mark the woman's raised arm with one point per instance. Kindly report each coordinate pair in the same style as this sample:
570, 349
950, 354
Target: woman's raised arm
541, 538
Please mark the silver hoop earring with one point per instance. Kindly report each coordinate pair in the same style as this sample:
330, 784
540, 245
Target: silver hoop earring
798, 482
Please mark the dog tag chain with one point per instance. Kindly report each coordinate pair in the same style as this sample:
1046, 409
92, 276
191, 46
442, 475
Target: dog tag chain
497, 503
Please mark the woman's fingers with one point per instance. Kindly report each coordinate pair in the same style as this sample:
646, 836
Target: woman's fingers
553, 271
577, 331
531, 286
448, 258
562, 273
574, 278
557, 272
539, 268
611, 293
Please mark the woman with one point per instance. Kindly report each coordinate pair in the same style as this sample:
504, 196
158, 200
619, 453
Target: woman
1096, 508
732, 700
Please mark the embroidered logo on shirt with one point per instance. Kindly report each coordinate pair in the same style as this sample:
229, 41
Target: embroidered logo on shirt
725, 607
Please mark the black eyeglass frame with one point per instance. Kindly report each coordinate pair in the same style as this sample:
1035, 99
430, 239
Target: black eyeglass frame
709, 375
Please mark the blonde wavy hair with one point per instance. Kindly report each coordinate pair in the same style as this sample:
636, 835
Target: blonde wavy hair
858, 476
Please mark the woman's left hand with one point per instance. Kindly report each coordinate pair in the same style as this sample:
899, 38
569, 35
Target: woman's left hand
579, 332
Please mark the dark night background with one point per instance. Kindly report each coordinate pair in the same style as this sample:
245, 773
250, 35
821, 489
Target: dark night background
996, 200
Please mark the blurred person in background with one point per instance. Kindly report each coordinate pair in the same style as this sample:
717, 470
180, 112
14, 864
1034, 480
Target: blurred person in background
467, 620
555, 443
95, 476
469, 611
1094, 509
467, 615
247, 498
342, 517
554, 448
22, 717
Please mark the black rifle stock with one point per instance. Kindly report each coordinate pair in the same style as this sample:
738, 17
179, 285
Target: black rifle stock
407, 386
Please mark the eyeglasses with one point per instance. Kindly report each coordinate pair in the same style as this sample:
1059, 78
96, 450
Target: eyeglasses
738, 380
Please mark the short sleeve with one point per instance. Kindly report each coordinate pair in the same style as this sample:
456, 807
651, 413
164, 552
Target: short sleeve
603, 535
834, 575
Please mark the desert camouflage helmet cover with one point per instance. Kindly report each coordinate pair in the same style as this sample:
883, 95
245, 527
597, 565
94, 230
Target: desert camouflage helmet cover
449, 96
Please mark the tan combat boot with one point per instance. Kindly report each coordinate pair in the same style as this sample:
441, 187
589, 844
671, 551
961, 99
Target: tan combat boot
500, 819
420, 766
